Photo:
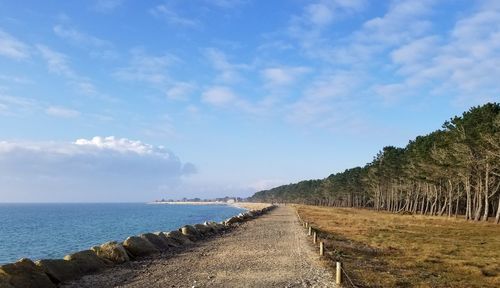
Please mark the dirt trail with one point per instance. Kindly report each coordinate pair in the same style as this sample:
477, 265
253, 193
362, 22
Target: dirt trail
271, 251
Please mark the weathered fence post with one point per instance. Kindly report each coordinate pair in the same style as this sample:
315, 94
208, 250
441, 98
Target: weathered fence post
310, 231
338, 278
321, 248
315, 237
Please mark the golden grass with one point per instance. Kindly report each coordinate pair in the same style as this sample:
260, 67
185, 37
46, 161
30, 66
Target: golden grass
387, 250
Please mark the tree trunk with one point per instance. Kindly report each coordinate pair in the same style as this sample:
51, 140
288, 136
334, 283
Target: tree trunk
468, 211
497, 218
486, 193
450, 195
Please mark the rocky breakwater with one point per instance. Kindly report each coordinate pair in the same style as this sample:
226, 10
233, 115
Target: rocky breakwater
49, 273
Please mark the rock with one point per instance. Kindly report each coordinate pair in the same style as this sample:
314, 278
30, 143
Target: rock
203, 229
139, 247
190, 232
244, 216
169, 240
179, 237
4, 281
24, 274
87, 261
112, 251
233, 220
214, 227
59, 270
156, 240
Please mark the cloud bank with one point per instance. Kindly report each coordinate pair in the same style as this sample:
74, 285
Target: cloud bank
88, 170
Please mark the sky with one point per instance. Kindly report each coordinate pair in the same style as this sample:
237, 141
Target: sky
121, 100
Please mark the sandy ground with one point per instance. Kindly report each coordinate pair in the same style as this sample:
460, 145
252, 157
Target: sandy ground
271, 251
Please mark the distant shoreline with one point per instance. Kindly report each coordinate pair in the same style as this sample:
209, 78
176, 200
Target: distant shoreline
190, 203
242, 205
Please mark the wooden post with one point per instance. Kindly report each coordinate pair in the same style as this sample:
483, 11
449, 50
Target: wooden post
338, 278
315, 237
321, 248
310, 231
307, 224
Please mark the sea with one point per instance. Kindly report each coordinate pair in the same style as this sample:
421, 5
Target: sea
48, 231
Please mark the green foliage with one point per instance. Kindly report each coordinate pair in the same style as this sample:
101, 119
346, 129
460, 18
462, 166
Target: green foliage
425, 177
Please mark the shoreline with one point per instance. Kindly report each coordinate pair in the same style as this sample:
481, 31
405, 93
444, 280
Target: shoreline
272, 251
53, 272
188, 203
242, 205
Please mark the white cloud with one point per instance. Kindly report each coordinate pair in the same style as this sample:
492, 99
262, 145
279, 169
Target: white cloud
331, 101
56, 62
180, 91
390, 29
16, 105
106, 6
392, 93
411, 55
147, 68
227, 3
219, 96
97, 47
78, 37
465, 62
227, 71
62, 112
324, 12
282, 76
172, 17
15, 79
12, 48
97, 169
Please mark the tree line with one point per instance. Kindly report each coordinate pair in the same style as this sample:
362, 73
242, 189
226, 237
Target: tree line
453, 171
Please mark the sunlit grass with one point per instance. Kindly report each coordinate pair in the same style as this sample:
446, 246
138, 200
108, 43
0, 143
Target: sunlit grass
387, 250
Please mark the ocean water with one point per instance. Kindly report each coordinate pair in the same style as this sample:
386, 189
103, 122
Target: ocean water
41, 231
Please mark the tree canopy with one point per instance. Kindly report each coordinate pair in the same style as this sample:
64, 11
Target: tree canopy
454, 170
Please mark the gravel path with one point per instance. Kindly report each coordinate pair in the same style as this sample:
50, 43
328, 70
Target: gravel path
271, 251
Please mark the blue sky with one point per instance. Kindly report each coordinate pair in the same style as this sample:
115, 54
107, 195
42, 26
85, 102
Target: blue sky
120, 100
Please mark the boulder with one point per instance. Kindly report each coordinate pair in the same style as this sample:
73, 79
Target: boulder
4, 281
214, 228
24, 274
190, 232
112, 251
203, 229
139, 247
59, 270
244, 216
87, 261
179, 237
156, 240
171, 242
232, 221
218, 227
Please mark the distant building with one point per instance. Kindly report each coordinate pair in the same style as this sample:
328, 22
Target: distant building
230, 201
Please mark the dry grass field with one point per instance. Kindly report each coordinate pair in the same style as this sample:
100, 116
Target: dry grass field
387, 250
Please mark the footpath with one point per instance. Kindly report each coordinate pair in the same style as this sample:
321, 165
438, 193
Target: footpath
270, 251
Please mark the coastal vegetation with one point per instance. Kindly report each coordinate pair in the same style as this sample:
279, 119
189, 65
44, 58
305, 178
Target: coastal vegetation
453, 171
382, 249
